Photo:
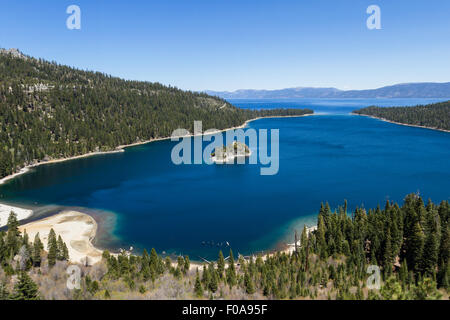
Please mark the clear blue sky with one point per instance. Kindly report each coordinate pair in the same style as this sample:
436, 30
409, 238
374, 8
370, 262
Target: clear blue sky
228, 45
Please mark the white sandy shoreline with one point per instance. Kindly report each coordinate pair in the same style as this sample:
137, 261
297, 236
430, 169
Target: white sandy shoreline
291, 246
78, 229
401, 124
5, 211
37, 164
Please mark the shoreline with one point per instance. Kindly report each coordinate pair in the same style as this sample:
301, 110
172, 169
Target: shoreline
40, 163
76, 229
79, 229
400, 123
291, 246
121, 148
21, 213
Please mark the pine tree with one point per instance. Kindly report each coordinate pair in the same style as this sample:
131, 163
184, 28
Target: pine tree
220, 265
403, 273
52, 247
153, 259
231, 271
214, 278
444, 247
426, 290
4, 294
25, 288
60, 248
65, 252
205, 277
248, 283
187, 264
321, 242
430, 254
388, 257
415, 248
198, 289
13, 234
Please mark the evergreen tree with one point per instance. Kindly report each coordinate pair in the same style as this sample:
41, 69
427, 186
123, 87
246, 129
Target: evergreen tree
205, 277
231, 271
13, 235
415, 248
220, 264
426, 290
52, 247
214, 278
321, 242
198, 289
4, 294
153, 259
37, 249
248, 283
62, 251
444, 247
388, 256
187, 264
25, 288
430, 255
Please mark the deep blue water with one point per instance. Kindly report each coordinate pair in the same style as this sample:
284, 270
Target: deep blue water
329, 106
328, 157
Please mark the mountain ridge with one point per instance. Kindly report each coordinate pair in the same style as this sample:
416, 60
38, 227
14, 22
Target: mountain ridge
402, 90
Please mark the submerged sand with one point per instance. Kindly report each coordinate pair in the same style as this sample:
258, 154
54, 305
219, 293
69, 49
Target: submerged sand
75, 228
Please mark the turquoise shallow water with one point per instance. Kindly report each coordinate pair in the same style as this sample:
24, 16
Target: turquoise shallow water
328, 157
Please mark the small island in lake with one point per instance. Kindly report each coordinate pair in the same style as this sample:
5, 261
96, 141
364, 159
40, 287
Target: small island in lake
229, 153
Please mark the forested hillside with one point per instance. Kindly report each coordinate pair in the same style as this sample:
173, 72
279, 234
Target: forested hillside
50, 111
436, 116
410, 244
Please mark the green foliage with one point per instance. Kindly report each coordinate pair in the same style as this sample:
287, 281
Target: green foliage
25, 288
13, 234
248, 283
392, 290
426, 290
52, 247
142, 289
38, 247
198, 289
62, 251
331, 262
50, 111
435, 115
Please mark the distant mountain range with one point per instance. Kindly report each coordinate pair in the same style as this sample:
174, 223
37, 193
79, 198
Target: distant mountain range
406, 90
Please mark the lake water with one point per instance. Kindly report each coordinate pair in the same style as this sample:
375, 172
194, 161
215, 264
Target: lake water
150, 202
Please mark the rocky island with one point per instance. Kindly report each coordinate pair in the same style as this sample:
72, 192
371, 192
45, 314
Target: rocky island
229, 153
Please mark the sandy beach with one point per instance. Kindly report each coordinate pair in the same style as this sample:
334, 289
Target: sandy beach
291, 246
75, 228
5, 211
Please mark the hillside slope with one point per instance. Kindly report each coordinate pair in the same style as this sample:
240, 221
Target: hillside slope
435, 116
50, 111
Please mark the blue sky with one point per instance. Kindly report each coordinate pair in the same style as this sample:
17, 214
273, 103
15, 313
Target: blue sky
228, 45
